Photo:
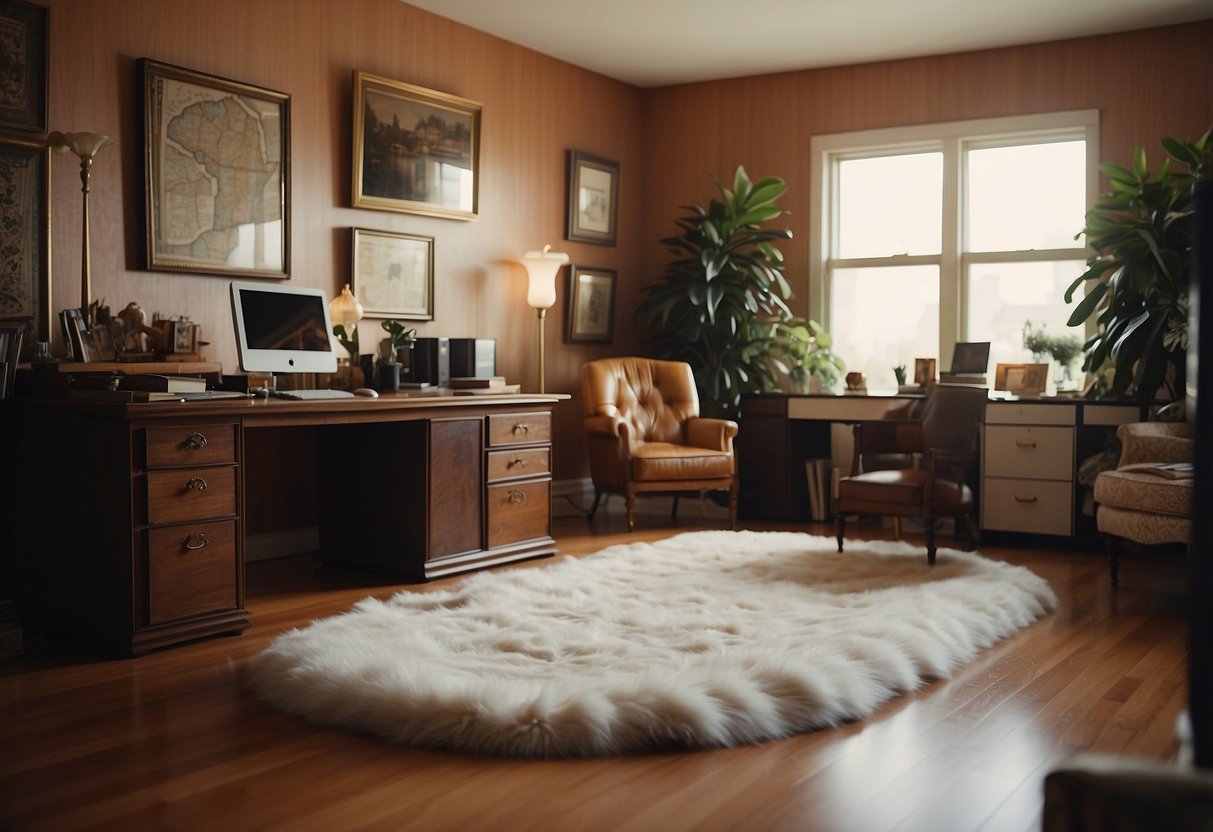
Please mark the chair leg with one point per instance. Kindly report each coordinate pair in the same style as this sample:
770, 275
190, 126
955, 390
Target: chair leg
840, 527
733, 504
897, 527
674, 510
929, 529
594, 507
1113, 548
630, 498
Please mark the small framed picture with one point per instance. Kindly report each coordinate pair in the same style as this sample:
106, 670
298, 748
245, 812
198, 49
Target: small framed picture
593, 199
1021, 379
393, 274
23, 85
25, 230
591, 302
924, 371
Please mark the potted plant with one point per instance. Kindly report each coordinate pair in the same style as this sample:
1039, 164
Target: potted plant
398, 338
1061, 348
713, 305
1137, 282
801, 349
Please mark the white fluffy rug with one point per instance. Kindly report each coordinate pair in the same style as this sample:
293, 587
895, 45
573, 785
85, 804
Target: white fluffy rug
704, 639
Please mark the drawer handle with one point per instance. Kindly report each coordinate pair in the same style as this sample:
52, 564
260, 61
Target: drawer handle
195, 440
197, 541
1019, 499
517, 497
196, 484
522, 428
519, 462
1025, 443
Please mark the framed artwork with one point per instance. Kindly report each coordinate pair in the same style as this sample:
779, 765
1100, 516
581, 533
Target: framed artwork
415, 150
393, 274
23, 42
593, 199
10, 354
1021, 379
217, 174
25, 281
591, 302
924, 371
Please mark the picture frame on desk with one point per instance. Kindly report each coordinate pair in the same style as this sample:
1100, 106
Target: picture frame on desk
392, 274
252, 178
25, 238
590, 317
593, 199
416, 150
1021, 379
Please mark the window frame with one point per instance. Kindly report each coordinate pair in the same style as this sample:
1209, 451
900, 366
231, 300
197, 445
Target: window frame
953, 139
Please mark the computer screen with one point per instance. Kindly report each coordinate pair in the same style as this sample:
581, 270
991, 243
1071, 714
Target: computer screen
282, 329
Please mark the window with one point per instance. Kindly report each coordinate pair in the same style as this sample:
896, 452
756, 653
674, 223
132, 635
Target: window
935, 234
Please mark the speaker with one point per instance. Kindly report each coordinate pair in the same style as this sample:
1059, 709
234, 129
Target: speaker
431, 361
473, 357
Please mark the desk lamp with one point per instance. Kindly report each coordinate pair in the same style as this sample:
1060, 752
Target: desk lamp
345, 312
85, 146
541, 269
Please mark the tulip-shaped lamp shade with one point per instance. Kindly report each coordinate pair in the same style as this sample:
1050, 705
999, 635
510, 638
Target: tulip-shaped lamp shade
541, 270
85, 146
345, 312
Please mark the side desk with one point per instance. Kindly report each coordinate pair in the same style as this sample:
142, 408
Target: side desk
130, 518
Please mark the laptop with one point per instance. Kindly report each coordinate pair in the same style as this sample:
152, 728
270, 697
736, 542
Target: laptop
970, 358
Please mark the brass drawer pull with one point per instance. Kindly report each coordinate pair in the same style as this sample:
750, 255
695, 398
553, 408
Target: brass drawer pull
517, 497
1019, 499
197, 541
517, 462
196, 484
1025, 443
522, 428
195, 440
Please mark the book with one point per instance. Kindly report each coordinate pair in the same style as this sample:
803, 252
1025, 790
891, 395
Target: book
125, 395
504, 389
476, 383
1169, 470
162, 383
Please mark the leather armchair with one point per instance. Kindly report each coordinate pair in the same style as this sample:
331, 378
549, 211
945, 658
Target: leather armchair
644, 433
946, 438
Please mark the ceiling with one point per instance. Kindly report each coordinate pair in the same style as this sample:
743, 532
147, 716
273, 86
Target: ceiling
650, 43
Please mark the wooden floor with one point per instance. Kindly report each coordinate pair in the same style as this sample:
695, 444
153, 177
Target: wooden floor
174, 741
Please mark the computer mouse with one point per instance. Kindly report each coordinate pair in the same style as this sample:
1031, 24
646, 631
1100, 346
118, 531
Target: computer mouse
366, 391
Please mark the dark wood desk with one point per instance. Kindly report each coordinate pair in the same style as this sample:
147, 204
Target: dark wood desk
131, 517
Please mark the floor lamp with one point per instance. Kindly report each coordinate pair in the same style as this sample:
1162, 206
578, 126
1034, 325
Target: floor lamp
85, 146
541, 269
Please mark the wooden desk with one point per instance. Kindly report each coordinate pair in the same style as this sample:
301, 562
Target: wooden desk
131, 519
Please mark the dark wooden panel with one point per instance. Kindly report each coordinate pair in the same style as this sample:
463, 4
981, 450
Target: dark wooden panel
191, 569
519, 462
519, 428
456, 486
191, 494
178, 445
519, 511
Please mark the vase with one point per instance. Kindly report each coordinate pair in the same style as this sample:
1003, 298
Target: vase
389, 378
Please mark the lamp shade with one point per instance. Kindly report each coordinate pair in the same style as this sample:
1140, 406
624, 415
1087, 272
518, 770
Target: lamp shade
345, 308
541, 269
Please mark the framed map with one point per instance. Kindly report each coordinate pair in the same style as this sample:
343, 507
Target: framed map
217, 174
25, 238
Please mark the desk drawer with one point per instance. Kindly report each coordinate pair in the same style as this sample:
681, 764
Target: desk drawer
519, 463
519, 511
1045, 453
519, 429
191, 570
191, 494
177, 445
1033, 506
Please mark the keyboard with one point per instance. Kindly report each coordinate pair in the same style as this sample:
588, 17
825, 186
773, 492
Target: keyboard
311, 395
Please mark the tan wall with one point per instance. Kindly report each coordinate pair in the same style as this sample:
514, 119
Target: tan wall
534, 110
1146, 85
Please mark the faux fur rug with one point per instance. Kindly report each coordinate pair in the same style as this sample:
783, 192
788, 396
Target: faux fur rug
704, 639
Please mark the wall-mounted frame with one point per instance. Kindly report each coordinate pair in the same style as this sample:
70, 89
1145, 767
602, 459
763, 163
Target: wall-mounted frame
23, 40
1021, 379
25, 278
591, 305
393, 274
415, 150
593, 199
216, 174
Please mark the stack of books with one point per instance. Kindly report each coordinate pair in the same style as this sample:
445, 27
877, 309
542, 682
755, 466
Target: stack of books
823, 481
492, 385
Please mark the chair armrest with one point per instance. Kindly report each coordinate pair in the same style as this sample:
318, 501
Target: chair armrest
607, 426
1154, 442
706, 432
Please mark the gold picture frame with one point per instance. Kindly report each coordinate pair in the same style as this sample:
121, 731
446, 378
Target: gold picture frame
216, 172
416, 150
392, 274
1021, 379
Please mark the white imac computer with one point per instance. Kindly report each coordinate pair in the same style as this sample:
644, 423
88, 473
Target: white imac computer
282, 329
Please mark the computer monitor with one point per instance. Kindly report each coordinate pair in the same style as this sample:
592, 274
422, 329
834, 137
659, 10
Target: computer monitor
282, 329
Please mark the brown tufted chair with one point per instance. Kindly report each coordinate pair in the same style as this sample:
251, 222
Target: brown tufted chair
946, 436
644, 433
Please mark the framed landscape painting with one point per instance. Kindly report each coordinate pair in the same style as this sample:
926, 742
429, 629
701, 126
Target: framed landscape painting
415, 150
593, 199
217, 174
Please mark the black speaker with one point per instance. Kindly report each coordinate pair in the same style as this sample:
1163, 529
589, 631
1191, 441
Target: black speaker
473, 358
431, 361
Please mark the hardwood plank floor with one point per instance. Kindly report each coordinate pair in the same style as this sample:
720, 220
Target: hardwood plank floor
173, 740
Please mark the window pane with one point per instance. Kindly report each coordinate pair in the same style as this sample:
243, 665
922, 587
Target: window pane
884, 317
890, 205
1003, 297
1026, 197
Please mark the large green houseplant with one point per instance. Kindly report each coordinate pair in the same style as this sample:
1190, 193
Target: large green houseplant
714, 304
1137, 282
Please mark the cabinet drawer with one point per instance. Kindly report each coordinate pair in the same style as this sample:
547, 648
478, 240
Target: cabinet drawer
1018, 413
519, 511
1033, 506
176, 445
191, 570
191, 494
1029, 451
519, 428
519, 463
